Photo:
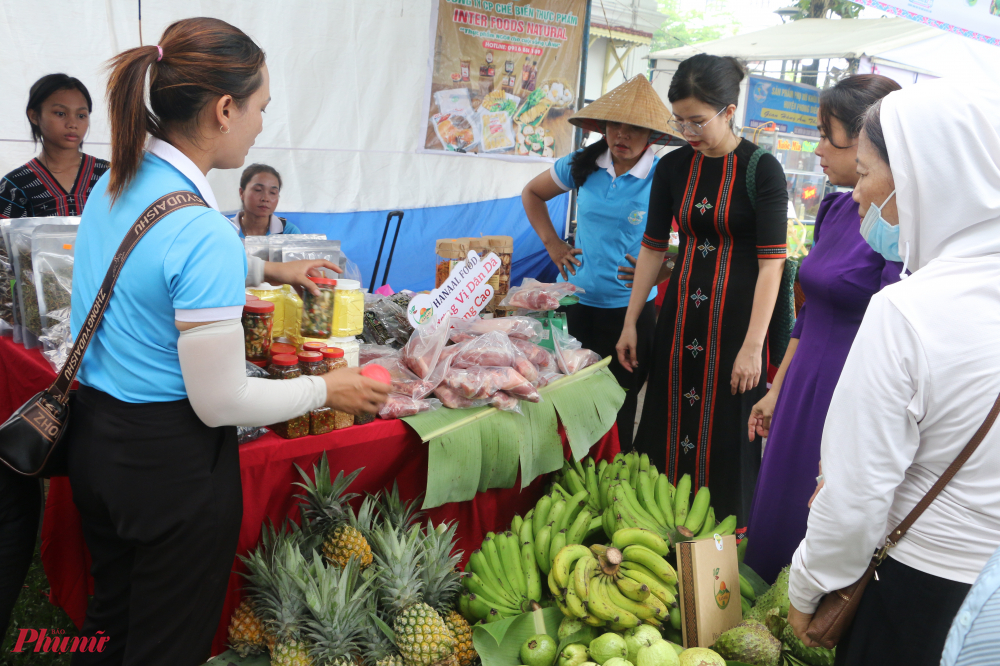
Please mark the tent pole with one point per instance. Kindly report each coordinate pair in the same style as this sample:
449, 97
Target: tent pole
580, 101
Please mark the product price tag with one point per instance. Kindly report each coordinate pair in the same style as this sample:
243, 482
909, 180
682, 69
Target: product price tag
462, 296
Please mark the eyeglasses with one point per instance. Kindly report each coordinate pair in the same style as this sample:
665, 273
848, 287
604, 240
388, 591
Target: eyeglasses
694, 129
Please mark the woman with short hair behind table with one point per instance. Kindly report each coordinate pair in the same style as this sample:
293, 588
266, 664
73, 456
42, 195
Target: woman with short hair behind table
153, 460
57, 182
919, 380
260, 190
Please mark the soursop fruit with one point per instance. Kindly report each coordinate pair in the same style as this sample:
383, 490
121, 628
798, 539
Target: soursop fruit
751, 643
816, 656
774, 598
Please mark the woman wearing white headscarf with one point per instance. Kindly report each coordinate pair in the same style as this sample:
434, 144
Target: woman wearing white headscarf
921, 376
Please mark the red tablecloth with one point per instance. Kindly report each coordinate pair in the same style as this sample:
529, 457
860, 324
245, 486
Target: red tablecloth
388, 450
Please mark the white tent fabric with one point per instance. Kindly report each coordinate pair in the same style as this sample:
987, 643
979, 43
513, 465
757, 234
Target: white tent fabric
811, 38
348, 81
944, 54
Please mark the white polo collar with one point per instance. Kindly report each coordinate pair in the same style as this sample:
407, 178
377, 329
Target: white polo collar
183, 163
640, 170
276, 227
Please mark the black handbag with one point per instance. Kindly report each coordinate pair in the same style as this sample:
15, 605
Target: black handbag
32, 440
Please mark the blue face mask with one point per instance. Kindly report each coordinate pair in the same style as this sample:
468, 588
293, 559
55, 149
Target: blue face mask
880, 235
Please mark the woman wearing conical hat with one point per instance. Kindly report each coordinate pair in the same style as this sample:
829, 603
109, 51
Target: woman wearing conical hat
613, 178
706, 374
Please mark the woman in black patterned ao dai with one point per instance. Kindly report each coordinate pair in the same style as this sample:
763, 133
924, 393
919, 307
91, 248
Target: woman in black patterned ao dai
709, 361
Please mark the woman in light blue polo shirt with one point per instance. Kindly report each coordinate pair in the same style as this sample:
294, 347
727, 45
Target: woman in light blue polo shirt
613, 178
153, 458
260, 190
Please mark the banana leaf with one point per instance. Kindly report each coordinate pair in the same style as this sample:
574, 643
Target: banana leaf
499, 643
472, 450
758, 584
230, 658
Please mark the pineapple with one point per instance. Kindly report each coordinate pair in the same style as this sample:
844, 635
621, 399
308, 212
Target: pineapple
336, 603
442, 582
397, 512
376, 647
246, 630
420, 633
282, 605
326, 510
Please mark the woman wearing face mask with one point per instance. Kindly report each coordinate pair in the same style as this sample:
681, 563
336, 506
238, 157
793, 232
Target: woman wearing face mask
920, 378
153, 460
706, 369
838, 277
260, 189
613, 177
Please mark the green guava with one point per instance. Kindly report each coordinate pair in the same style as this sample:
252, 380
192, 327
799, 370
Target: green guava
573, 655
641, 636
657, 654
701, 657
607, 647
539, 650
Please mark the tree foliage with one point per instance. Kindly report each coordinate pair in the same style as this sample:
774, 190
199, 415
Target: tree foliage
685, 27
827, 9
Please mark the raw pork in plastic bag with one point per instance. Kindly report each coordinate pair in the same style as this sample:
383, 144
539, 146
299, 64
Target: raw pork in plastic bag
524, 328
481, 383
492, 349
570, 356
542, 358
397, 406
546, 378
423, 351
535, 295
369, 353
506, 402
403, 381
452, 400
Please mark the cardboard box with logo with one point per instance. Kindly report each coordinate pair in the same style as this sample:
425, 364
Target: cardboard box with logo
708, 584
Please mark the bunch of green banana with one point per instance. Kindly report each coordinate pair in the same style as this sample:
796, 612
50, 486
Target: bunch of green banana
747, 595
619, 586
636, 495
501, 578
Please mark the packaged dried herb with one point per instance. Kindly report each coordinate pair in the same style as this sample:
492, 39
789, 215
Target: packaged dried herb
52, 267
6, 279
276, 241
286, 366
315, 249
258, 322
257, 246
317, 311
19, 235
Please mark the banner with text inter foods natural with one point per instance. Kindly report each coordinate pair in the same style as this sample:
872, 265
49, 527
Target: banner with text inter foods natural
504, 76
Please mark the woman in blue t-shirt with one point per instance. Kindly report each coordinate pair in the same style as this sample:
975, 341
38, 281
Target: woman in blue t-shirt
260, 190
153, 457
612, 178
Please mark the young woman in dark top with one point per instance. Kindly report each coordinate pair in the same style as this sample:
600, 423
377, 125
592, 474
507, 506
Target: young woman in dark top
57, 182
60, 179
707, 362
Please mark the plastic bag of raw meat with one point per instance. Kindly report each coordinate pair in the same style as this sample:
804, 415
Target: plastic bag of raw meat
397, 406
540, 357
523, 328
538, 296
546, 378
422, 352
404, 382
570, 357
369, 353
506, 402
492, 349
524, 366
481, 383
452, 400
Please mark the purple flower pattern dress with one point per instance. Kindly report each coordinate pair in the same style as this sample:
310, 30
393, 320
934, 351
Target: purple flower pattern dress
839, 276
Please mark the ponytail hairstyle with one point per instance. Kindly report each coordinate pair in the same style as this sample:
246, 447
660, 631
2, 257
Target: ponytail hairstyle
712, 80
202, 59
584, 162
848, 100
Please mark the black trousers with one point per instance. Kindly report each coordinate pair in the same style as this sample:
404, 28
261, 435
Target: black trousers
161, 504
20, 510
599, 329
903, 619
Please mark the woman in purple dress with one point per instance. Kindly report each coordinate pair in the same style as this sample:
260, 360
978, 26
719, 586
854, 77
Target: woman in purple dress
839, 277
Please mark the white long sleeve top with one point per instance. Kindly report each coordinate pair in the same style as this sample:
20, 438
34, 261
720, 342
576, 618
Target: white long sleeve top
921, 376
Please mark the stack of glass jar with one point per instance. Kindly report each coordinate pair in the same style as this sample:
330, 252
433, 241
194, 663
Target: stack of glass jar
286, 366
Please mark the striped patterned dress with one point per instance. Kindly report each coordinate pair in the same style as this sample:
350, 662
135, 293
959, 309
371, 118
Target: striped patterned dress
691, 423
32, 191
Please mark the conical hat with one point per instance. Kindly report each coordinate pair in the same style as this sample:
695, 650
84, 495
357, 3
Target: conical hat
633, 102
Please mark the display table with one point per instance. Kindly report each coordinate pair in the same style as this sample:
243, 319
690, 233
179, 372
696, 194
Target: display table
387, 450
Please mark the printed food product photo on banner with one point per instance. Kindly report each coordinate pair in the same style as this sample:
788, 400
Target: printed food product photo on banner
504, 77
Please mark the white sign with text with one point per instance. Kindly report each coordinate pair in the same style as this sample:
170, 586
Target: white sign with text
462, 296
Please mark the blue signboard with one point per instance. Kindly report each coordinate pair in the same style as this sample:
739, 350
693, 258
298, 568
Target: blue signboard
793, 107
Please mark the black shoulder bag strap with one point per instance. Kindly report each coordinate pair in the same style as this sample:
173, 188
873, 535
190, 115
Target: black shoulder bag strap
31, 439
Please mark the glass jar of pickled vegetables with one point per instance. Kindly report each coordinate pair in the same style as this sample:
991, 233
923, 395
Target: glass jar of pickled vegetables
324, 420
258, 320
317, 311
334, 357
348, 309
286, 366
